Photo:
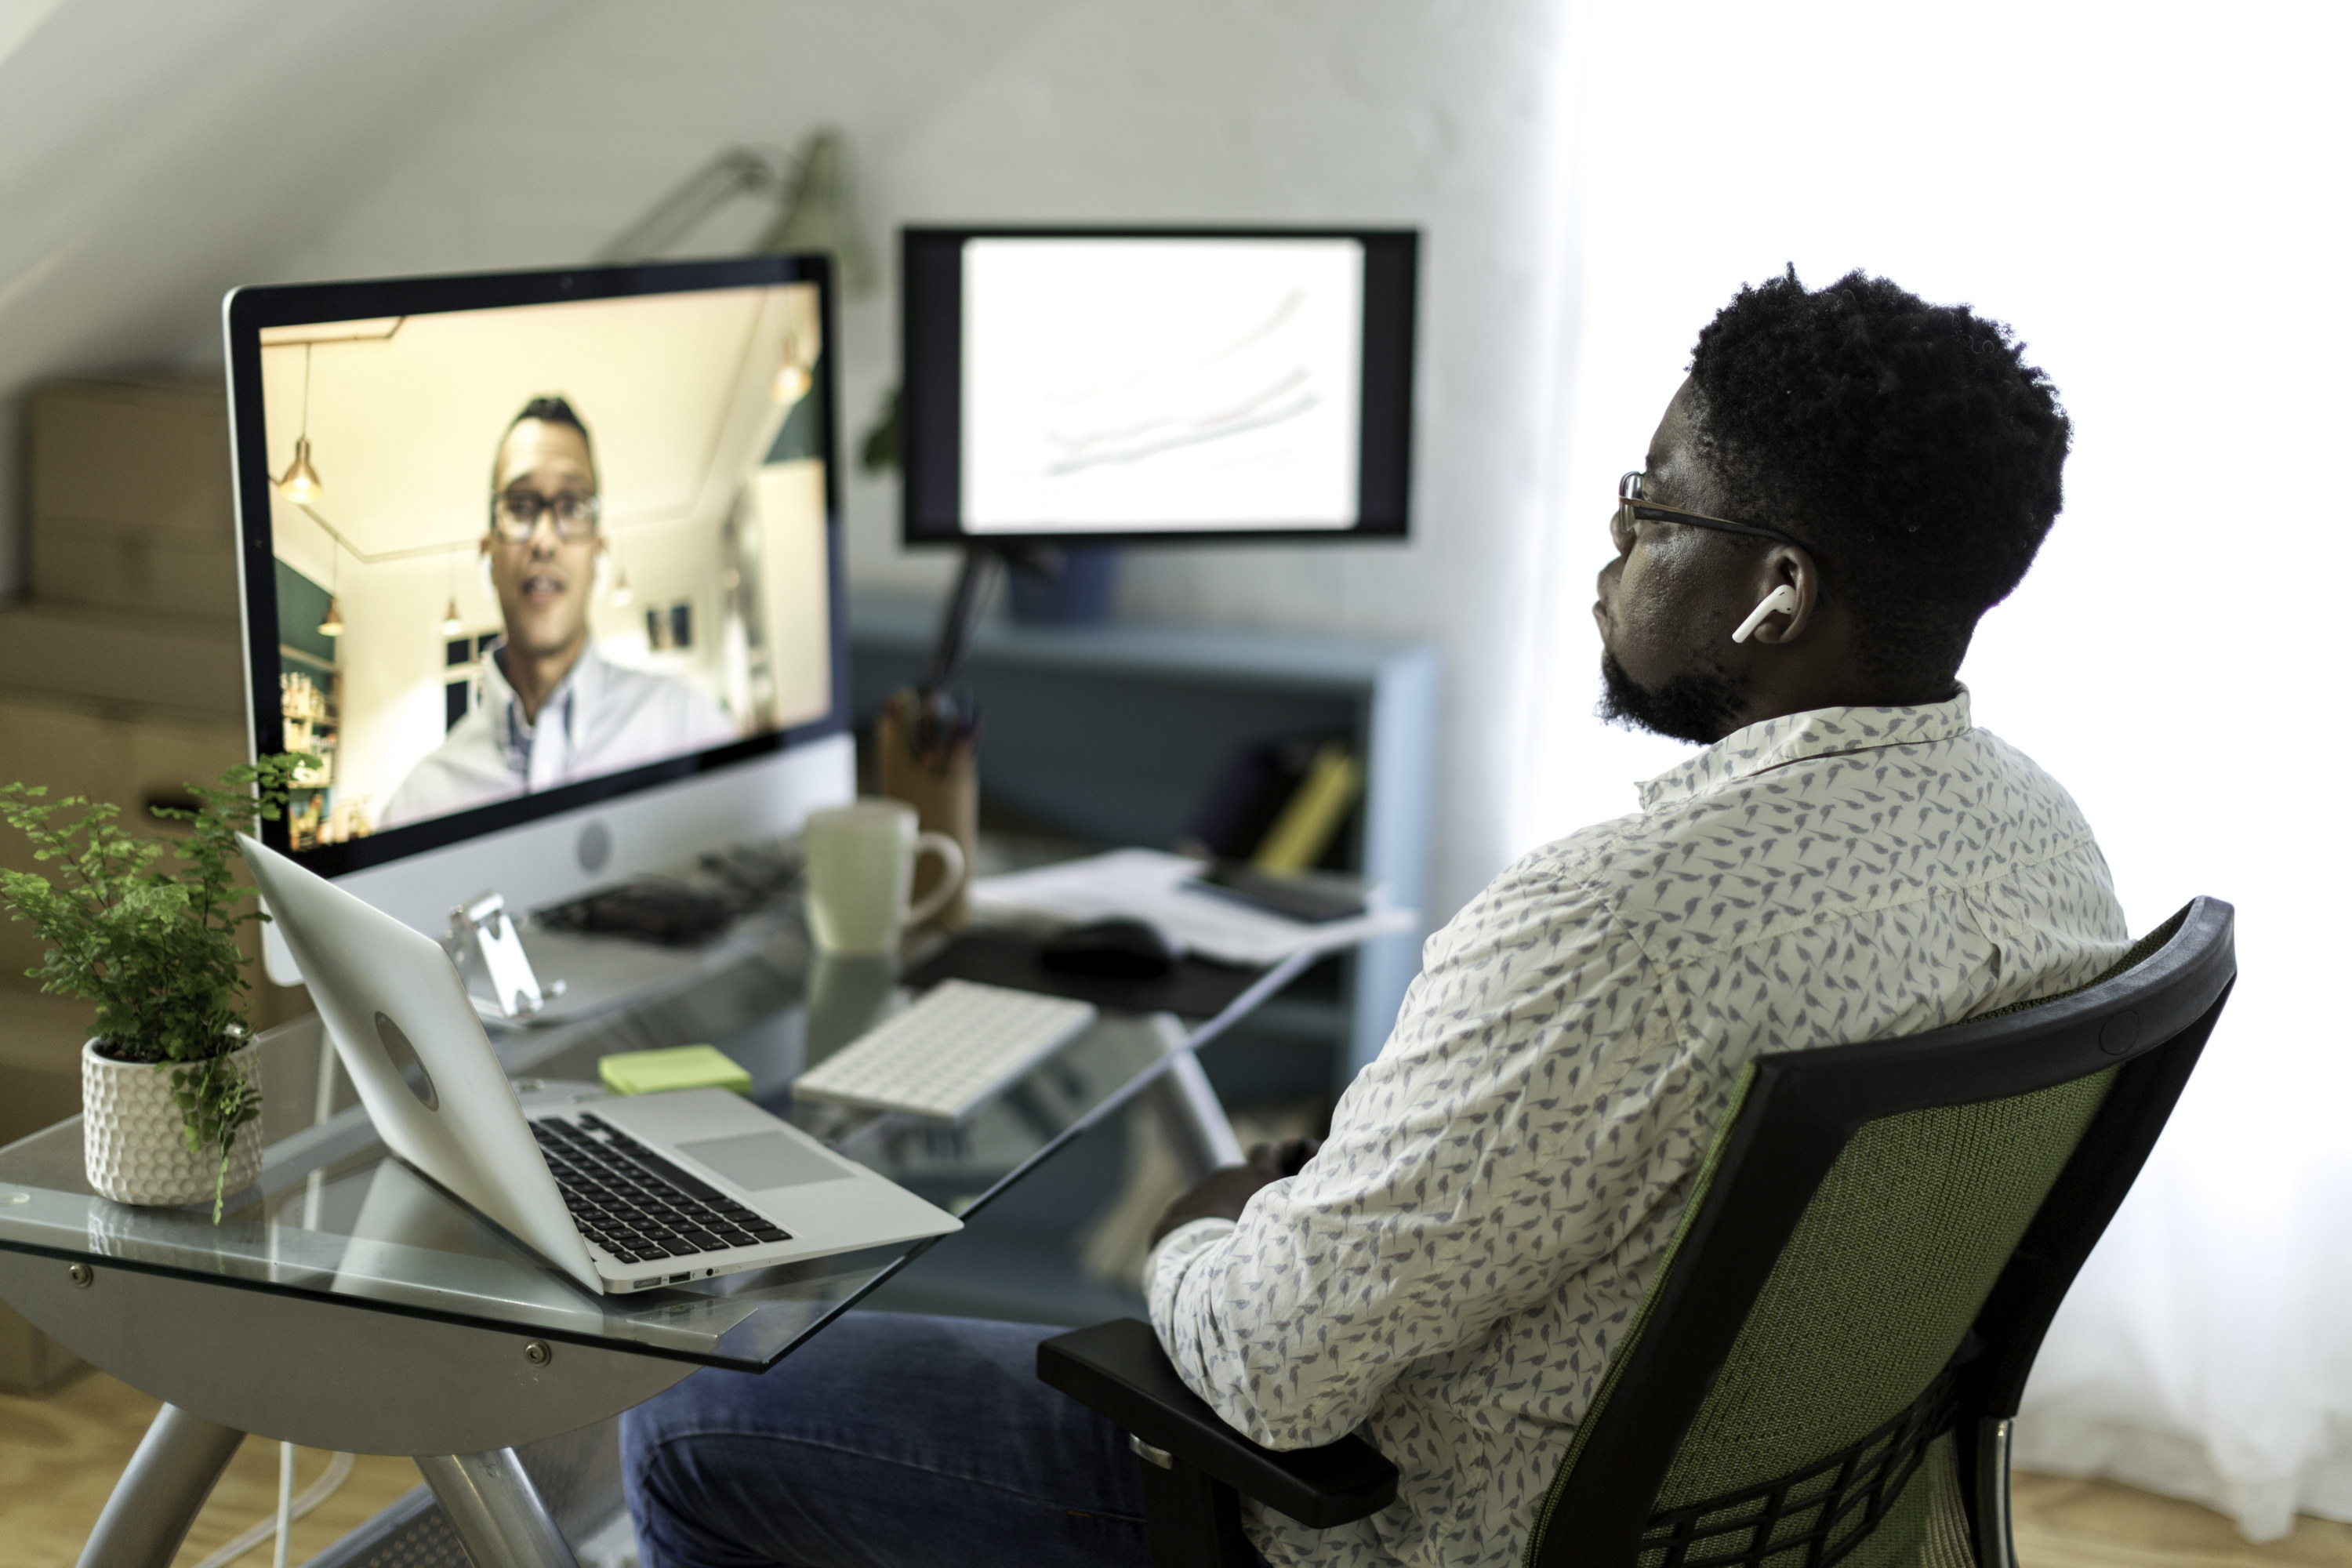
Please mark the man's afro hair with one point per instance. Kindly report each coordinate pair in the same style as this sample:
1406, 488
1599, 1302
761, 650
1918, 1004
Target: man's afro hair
1909, 444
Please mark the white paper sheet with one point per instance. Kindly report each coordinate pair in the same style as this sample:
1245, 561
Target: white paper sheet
1148, 885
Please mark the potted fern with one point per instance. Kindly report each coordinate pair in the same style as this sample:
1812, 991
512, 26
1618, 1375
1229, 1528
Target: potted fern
172, 1076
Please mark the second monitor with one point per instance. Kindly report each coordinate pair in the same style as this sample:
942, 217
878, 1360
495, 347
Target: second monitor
1094, 383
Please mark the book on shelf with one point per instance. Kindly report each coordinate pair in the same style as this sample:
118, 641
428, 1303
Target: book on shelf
1278, 804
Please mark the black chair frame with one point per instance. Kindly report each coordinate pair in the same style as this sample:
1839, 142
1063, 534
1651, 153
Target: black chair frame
1802, 1108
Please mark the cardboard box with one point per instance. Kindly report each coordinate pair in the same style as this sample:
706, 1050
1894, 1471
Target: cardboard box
40, 1083
131, 497
122, 679
128, 756
40, 1060
31, 1362
146, 571
141, 660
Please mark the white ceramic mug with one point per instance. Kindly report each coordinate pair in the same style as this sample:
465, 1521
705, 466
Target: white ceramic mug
861, 875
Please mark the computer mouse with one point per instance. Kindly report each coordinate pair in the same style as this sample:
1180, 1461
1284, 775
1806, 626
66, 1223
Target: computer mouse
1112, 949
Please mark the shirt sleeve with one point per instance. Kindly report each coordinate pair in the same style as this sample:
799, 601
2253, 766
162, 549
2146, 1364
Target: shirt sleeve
1179, 1247
1515, 1127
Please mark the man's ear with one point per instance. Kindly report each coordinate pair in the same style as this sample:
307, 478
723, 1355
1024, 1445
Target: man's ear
488, 587
1790, 593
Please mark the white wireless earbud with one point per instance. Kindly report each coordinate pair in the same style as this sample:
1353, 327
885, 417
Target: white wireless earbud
1781, 600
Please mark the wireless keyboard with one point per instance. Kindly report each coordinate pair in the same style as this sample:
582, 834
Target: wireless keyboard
944, 1056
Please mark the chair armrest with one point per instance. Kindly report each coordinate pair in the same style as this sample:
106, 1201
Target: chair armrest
1118, 1370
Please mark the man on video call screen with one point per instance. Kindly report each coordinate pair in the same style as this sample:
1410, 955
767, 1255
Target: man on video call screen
518, 548
553, 710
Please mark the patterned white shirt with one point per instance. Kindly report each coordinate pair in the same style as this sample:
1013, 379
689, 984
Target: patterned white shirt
1453, 1271
600, 718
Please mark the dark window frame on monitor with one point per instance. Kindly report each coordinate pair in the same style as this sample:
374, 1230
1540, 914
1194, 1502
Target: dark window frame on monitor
248, 310
931, 385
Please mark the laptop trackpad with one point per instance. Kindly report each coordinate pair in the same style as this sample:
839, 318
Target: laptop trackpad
757, 1161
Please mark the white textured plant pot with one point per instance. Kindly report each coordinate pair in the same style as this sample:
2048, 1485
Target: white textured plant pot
132, 1150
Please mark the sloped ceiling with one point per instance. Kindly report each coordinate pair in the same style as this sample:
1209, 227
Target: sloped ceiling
153, 156
573, 136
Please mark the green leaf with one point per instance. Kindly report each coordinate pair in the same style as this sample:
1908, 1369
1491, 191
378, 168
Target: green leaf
154, 947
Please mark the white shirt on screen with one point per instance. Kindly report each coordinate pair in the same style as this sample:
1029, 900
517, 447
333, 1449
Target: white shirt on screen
1454, 1268
600, 718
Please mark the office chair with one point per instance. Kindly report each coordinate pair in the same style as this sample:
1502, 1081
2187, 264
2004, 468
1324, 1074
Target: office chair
1826, 1368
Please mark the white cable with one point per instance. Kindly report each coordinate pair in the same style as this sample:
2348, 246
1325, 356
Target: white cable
291, 1507
338, 1470
285, 1503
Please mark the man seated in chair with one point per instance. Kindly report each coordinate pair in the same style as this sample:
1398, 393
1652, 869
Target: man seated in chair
1846, 482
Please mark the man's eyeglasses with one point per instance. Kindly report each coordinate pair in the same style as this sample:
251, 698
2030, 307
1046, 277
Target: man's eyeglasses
516, 517
1631, 509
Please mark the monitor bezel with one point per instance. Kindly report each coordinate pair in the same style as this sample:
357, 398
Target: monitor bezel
931, 385
245, 312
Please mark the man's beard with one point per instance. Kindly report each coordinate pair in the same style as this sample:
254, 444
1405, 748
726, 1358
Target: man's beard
1702, 708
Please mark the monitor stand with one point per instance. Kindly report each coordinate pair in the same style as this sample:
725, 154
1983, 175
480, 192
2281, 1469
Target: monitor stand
601, 973
581, 974
489, 951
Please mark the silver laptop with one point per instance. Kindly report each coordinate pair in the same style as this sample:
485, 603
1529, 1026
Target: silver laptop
622, 1193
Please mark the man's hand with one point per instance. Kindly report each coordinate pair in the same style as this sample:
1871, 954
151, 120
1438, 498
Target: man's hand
1224, 1194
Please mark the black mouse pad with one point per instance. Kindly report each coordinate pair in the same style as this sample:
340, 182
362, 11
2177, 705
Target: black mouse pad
1194, 988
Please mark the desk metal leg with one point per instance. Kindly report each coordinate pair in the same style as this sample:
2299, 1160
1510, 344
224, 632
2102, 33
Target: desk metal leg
161, 1492
497, 1513
1194, 1118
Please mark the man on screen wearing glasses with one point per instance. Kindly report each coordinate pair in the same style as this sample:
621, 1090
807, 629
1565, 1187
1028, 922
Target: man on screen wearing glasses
553, 711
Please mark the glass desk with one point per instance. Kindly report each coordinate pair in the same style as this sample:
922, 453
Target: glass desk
343, 1302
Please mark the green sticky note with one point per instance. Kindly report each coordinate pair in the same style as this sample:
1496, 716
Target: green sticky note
679, 1067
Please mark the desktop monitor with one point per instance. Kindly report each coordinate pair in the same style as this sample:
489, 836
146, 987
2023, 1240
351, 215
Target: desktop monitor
1099, 385
545, 568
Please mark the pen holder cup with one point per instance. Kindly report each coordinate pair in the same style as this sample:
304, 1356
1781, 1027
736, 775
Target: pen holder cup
944, 786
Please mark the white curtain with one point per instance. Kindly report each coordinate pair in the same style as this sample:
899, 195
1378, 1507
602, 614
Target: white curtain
2156, 199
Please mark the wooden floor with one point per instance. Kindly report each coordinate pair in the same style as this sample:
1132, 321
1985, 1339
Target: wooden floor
59, 1456
2099, 1524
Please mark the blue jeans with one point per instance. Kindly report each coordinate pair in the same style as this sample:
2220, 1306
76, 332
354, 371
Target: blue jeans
885, 1440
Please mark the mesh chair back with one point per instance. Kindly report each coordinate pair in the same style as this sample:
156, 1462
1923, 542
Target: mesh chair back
1801, 1382
1870, 1299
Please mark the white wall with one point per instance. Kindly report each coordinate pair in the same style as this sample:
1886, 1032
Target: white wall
1443, 116
1439, 114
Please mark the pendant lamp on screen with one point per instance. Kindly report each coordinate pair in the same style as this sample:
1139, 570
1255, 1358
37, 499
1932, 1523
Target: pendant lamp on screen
299, 483
331, 624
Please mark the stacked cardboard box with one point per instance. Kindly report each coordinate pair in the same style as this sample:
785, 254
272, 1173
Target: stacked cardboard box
121, 679
130, 501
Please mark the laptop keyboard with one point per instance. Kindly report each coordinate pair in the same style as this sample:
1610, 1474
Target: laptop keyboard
635, 1204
